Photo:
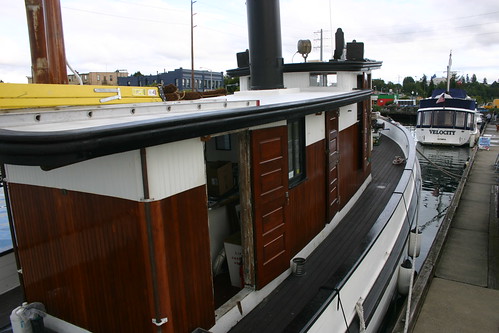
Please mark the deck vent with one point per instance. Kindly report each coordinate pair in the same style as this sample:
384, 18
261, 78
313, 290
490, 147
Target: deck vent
298, 266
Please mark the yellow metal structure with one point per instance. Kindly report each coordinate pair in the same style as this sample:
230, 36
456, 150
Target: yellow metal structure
493, 105
17, 96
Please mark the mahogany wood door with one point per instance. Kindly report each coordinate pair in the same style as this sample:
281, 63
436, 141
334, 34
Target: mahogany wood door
333, 158
269, 162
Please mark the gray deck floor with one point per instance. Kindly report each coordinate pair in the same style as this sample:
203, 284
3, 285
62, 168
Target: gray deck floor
8, 302
330, 261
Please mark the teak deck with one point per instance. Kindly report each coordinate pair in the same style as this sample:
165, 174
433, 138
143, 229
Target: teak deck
286, 308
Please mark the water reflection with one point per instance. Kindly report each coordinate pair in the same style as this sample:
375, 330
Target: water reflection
441, 169
5, 238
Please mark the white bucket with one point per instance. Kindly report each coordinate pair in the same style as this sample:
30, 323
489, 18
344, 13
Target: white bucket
19, 325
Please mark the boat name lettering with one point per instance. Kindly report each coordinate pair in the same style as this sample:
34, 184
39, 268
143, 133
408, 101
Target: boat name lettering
443, 132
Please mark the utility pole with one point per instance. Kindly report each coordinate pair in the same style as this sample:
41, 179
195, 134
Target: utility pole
193, 85
321, 42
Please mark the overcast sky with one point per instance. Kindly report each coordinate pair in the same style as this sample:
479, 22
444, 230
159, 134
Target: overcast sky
412, 38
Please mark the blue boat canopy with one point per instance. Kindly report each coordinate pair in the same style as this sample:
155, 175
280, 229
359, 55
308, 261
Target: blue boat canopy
455, 93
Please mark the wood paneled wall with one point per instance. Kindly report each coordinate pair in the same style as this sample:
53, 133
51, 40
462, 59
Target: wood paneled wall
187, 256
351, 171
308, 200
86, 257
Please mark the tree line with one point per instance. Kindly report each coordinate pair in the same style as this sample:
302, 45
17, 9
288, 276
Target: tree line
481, 92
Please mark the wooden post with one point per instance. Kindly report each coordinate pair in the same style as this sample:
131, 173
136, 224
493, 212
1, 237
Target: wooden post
48, 59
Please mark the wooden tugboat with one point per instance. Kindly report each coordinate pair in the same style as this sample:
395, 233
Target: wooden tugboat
187, 216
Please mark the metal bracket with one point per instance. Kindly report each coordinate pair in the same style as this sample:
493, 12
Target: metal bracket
108, 90
159, 323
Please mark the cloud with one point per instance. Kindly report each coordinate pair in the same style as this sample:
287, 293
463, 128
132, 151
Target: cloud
412, 38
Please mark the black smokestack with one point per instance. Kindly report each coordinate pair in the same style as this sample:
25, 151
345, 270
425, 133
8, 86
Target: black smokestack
265, 52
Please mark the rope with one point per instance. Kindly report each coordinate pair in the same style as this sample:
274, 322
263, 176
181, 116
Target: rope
360, 312
439, 167
342, 310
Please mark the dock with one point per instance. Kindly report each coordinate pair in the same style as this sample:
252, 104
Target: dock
457, 289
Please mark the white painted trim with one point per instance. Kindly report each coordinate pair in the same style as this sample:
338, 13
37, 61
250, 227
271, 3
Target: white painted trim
172, 168
9, 278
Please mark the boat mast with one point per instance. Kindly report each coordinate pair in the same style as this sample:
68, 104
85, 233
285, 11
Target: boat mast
48, 56
448, 72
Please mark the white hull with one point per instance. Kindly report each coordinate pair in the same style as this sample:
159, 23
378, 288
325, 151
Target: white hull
446, 136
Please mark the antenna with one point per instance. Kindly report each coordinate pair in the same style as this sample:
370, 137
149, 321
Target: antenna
448, 71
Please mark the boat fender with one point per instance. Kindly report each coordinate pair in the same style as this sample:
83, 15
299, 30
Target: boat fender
415, 243
404, 277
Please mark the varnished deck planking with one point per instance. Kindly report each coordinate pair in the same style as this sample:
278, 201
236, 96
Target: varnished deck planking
328, 263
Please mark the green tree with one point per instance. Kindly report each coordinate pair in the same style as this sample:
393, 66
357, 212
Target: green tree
431, 87
409, 85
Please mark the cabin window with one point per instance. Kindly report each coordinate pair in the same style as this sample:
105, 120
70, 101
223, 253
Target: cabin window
424, 118
323, 80
471, 122
444, 119
296, 151
460, 119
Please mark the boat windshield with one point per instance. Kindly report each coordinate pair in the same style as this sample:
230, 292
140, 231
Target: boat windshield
443, 119
446, 119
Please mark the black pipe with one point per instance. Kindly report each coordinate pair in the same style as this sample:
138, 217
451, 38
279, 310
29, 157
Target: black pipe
265, 49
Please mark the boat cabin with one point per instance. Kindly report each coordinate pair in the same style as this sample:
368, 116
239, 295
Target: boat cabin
174, 216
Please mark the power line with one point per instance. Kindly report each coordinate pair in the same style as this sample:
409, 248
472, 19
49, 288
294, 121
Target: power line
123, 17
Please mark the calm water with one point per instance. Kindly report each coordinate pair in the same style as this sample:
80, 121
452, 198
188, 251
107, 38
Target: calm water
437, 189
5, 239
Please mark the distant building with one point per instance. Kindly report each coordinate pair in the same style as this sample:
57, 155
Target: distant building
95, 78
438, 80
180, 77
384, 99
98, 78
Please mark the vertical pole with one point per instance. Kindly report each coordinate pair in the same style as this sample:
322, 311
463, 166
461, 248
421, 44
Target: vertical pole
322, 46
55, 42
192, 46
48, 56
37, 42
